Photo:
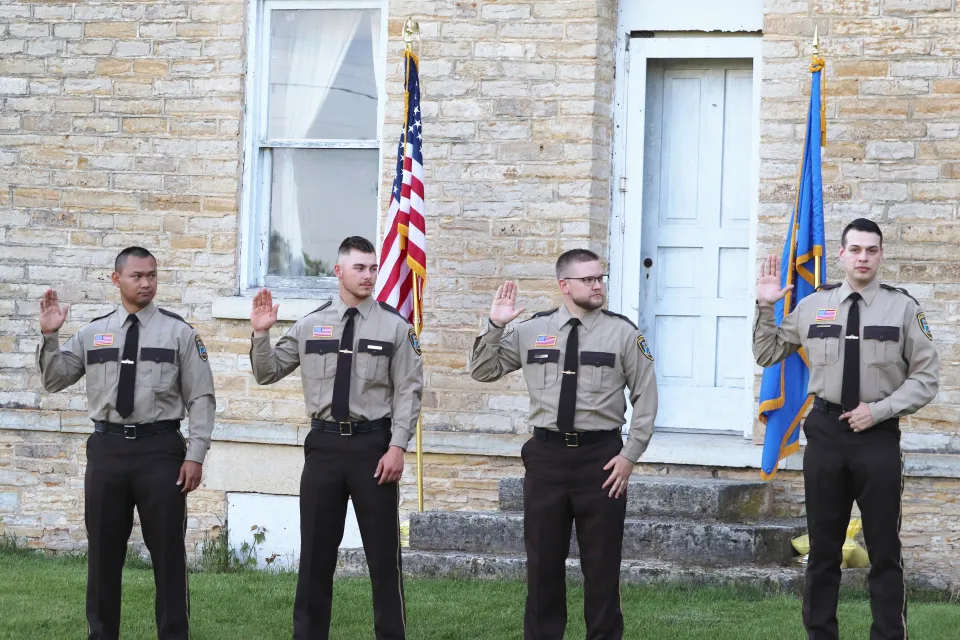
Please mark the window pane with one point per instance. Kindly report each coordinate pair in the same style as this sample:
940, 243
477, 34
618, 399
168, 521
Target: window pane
319, 197
323, 81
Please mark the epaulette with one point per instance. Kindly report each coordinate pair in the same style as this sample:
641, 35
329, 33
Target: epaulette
106, 315
321, 307
542, 314
899, 289
389, 307
173, 315
624, 318
827, 287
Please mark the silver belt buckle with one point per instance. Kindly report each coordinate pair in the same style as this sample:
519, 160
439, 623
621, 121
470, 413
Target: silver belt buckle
130, 431
349, 430
572, 439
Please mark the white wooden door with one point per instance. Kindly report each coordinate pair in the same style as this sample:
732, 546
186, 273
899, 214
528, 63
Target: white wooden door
695, 271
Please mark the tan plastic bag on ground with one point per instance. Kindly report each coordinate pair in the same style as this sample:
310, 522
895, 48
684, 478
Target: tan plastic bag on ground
854, 556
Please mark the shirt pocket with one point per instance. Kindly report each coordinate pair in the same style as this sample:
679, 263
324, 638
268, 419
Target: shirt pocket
881, 346
596, 370
320, 358
159, 366
542, 368
373, 359
102, 368
823, 344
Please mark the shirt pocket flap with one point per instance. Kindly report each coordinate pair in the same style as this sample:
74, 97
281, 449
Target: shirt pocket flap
883, 334
98, 356
598, 358
375, 347
824, 331
542, 356
152, 354
322, 346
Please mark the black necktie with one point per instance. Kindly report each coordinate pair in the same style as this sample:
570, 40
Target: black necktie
850, 391
568, 386
341, 383
128, 369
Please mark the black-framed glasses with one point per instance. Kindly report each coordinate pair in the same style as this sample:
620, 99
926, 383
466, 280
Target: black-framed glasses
592, 280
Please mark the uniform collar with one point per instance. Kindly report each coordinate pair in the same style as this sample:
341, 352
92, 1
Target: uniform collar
143, 316
868, 293
587, 320
364, 307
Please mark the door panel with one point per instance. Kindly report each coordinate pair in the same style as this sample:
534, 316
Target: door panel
695, 228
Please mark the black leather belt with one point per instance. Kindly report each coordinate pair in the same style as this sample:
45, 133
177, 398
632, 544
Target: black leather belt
134, 431
350, 428
827, 407
573, 438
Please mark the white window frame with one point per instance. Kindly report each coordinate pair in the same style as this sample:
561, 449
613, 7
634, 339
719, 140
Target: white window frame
625, 222
257, 169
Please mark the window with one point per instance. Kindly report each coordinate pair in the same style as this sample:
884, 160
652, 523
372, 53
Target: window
315, 108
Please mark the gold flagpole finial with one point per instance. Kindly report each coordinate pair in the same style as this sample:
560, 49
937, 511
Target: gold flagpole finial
816, 40
411, 33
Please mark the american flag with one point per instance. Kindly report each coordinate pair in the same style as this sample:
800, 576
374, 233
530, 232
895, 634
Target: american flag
403, 257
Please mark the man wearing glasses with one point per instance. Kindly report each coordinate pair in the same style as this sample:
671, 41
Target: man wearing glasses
576, 360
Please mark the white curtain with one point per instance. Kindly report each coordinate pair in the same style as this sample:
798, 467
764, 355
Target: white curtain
318, 44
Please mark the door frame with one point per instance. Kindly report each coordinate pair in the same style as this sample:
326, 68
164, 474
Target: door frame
633, 52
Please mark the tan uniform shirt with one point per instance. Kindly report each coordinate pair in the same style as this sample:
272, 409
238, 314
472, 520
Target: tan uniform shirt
387, 376
613, 354
899, 364
173, 375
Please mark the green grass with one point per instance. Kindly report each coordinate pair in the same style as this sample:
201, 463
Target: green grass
44, 598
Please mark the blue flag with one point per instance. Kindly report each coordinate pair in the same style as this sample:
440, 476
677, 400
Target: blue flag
783, 390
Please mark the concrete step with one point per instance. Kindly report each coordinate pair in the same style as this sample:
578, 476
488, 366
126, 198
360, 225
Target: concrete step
705, 498
686, 541
456, 565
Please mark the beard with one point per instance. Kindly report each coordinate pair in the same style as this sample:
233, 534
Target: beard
587, 302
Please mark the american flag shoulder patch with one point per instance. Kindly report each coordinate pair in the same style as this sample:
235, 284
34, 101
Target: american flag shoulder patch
103, 340
546, 342
826, 315
323, 332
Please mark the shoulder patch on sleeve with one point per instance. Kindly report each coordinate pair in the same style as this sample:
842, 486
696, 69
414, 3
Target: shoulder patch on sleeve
201, 349
922, 319
173, 315
898, 290
542, 314
613, 314
644, 347
414, 341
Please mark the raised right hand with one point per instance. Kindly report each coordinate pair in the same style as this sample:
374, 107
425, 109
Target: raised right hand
502, 312
768, 285
263, 315
52, 315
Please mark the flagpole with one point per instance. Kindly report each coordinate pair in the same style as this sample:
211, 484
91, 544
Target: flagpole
816, 54
411, 32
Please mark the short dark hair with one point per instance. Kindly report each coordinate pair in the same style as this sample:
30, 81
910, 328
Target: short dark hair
355, 243
568, 258
861, 224
136, 252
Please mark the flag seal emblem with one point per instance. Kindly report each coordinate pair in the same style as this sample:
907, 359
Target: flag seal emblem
323, 332
103, 340
546, 342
